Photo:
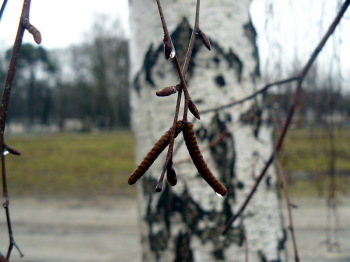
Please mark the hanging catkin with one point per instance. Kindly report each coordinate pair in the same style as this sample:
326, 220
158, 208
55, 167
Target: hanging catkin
156, 150
198, 160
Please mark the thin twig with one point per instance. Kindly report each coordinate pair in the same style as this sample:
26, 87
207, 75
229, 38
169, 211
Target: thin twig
23, 25
289, 208
291, 110
263, 90
183, 87
2, 10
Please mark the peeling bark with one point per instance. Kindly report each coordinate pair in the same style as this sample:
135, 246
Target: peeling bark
184, 223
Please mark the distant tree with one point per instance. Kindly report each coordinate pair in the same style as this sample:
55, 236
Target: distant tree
32, 88
98, 86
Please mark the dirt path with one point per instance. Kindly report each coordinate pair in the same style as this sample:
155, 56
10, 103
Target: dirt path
55, 230
106, 230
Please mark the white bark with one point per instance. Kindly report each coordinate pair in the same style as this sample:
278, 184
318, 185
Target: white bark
227, 73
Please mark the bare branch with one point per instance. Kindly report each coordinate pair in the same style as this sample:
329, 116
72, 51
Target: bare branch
3, 6
23, 25
291, 110
259, 92
289, 208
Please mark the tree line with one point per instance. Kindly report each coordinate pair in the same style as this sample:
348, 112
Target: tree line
86, 82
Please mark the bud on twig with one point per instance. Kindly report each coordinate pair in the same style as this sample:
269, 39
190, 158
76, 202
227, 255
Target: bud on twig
205, 39
171, 175
34, 31
11, 150
169, 49
193, 108
167, 91
2, 258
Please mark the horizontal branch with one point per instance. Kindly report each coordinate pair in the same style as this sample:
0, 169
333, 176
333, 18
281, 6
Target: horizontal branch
259, 92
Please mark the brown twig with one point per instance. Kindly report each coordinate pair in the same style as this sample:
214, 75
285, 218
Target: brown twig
291, 110
183, 86
263, 90
23, 25
3, 6
289, 208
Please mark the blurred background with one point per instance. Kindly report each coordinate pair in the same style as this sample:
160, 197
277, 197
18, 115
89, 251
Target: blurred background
69, 116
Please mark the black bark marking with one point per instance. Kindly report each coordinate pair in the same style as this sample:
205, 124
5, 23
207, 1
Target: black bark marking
283, 240
231, 58
137, 85
153, 59
240, 185
268, 181
236, 63
250, 32
149, 62
216, 60
183, 249
220, 80
262, 256
219, 254
253, 117
201, 133
223, 152
198, 101
181, 37
168, 205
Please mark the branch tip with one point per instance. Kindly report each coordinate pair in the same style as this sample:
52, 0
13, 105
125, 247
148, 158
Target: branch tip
205, 39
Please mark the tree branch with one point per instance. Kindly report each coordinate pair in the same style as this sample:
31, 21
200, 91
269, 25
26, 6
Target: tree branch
2, 10
252, 96
291, 110
289, 208
183, 86
23, 25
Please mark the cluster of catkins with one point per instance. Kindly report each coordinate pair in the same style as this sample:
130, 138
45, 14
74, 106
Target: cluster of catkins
181, 126
193, 149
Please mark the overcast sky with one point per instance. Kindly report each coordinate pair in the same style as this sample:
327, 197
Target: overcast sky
294, 27
60, 22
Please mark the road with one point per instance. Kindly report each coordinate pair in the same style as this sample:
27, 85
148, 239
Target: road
106, 230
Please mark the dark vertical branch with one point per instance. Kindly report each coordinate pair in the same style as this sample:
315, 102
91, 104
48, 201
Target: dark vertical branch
23, 25
289, 208
291, 110
183, 86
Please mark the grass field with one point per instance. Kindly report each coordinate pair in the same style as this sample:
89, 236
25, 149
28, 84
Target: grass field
306, 157
309, 149
71, 164
86, 164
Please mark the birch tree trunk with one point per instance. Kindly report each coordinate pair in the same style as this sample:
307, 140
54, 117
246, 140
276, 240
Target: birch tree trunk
184, 223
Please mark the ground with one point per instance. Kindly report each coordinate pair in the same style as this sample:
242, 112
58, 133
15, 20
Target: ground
106, 230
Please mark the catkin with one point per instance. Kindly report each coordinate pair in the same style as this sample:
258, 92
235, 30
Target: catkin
198, 160
152, 155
